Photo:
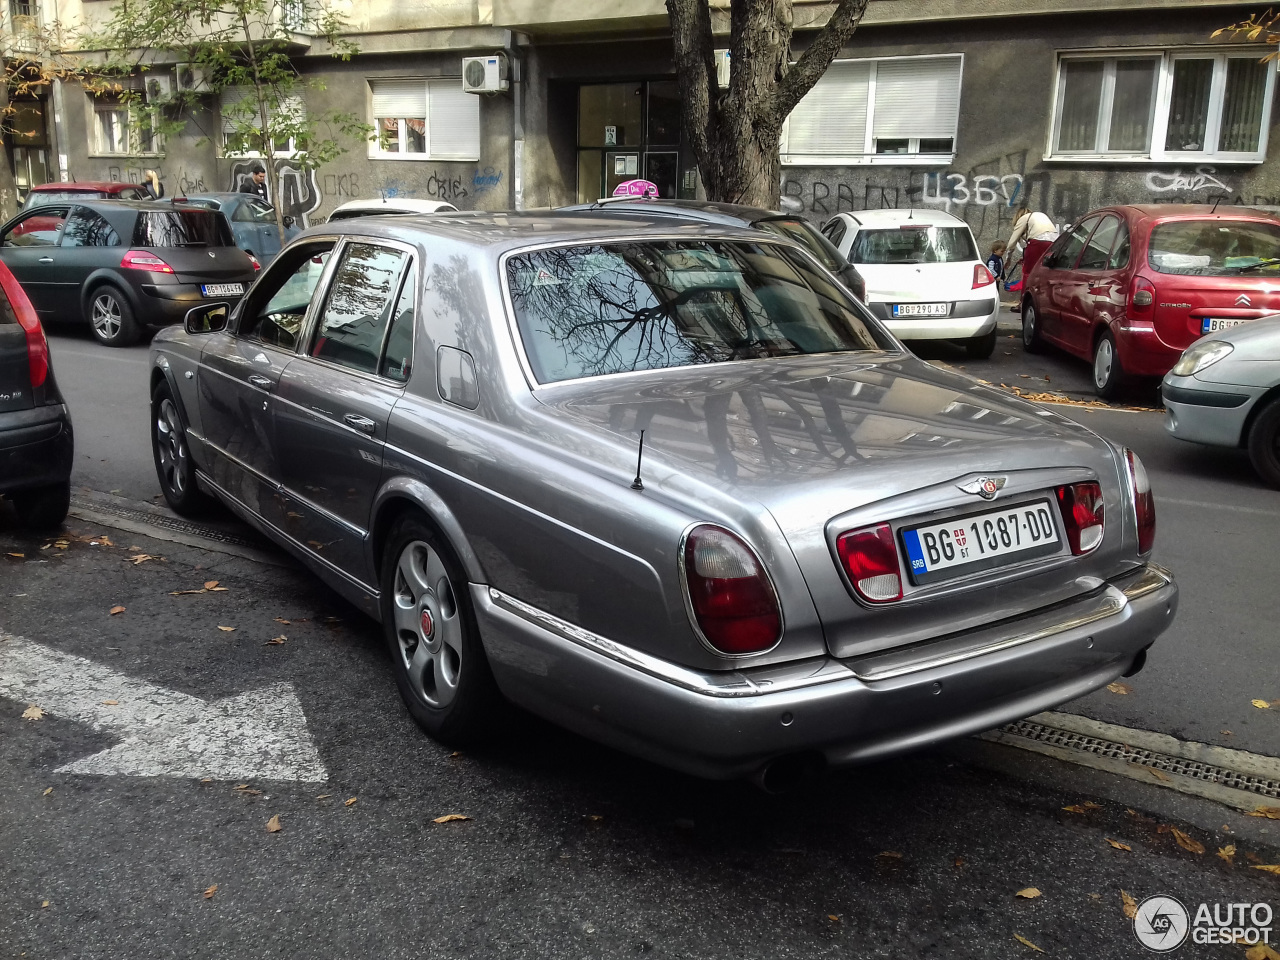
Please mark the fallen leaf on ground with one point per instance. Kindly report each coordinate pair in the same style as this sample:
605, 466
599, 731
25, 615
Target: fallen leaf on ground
111, 703
889, 855
1083, 807
595, 817
1261, 704
1226, 733
1029, 893
958, 862
105, 541
1188, 843
456, 755
210, 584
324, 796
182, 593
1118, 845
1271, 813
1228, 853
1026, 943
1268, 867
17, 556
138, 558
47, 791
1261, 952
281, 620
226, 629
1253, 858
834, 918
1118, 687
43, 904
1158, 775
1095, 896
245, 788
210, 891
33, 713
206, 779
276, 641
116, 609
450, 817
347, 803
1128, 904
273, 825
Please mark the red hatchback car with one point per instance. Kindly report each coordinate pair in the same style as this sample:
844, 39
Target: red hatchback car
1130, 287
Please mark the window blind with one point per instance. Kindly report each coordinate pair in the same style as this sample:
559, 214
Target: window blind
832, 117
399, 99
231, 106
453, 121
917, 97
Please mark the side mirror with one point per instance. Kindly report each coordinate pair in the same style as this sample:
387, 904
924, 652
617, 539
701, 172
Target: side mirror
289, 221
209, 318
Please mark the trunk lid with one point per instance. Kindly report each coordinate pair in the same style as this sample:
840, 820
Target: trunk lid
1183, 303
916, 282
829, 444
208, 264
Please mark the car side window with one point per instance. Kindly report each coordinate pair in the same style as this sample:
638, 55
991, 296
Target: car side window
835, 230
1098, 249
1064, 257
1120, 252
278, 303
88, 228
397, 358
41, 229
359, 306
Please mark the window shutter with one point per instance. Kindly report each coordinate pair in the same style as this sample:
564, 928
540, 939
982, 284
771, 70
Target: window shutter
917, 97
399, 99
231, 97
290, 106
453, 122
832, 117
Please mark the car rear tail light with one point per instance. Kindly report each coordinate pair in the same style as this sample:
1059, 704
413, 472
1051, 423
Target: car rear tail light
253, 260
1144, 502
870, 558
1081, 507
143, 260
982, 276
37, 344
1142, 297
731, 596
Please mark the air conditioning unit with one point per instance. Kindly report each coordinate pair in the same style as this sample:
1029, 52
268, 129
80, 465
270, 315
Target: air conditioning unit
159, 87
192, 78
722, 69
485, 74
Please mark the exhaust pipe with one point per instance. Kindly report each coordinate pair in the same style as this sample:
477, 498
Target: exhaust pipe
789, 773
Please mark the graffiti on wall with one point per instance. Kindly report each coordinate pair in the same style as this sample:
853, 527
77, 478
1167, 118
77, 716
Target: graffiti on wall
1179, 182
293, 189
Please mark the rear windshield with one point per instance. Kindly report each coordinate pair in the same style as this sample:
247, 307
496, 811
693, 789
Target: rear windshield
1215, 248
809, 238
182, 228
914, 244
41, 198
592, 310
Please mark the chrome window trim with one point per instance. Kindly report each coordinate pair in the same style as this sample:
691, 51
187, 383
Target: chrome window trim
322, 283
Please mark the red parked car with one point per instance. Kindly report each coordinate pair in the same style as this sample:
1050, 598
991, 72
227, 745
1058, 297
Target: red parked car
1130, 287
45, 193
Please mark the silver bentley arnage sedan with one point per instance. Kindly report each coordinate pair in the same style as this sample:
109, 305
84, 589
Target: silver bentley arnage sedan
666, 484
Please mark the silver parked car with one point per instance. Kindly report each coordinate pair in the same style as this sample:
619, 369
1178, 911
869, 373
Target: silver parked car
822, 550
1225, 392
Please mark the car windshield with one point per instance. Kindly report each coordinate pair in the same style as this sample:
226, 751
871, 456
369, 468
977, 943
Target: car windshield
42, 198
586, 311
182, 228
914, 243
809, 238
255, 211
1215, 248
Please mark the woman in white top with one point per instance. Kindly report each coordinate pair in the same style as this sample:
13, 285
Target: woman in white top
1030, 226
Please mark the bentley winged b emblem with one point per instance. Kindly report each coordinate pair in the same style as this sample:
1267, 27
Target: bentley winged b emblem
984, 487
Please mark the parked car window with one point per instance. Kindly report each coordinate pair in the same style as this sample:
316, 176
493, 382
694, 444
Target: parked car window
592, 310
87, 228
398, 357
254, 211
835, 230
1213, 248
1098, 250
1067, 249
43, 198
359, 306
182, 228
40, 229
914, 244
809, 238
1120, 255
278, 304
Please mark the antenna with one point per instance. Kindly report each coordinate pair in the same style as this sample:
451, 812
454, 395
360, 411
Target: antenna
637, 483
1216, 201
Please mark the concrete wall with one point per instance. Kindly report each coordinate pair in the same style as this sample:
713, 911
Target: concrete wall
1005, 114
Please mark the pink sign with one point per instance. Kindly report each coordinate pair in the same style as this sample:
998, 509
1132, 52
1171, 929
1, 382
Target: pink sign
636, 188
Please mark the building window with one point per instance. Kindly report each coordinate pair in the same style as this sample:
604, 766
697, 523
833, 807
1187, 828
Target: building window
1158, 106
23, 8
239, 108
121, 131
425, 120
878, 111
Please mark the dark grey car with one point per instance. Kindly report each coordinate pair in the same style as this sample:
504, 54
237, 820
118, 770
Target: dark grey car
824, 551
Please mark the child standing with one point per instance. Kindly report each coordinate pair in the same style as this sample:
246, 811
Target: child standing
995, 262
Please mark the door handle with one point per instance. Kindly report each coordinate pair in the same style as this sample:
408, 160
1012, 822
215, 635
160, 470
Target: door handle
260, 381
363, 424
45, 260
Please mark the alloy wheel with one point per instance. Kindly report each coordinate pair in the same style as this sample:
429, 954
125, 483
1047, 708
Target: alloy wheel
105, 316
171, 447
1103, 359
428, 624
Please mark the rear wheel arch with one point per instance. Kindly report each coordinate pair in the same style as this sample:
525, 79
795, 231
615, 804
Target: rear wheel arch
1264, 401
405, 495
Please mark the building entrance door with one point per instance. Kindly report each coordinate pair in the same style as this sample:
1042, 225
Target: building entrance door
628, 131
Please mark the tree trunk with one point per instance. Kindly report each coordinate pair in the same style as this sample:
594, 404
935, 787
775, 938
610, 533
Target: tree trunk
8, 187
735, 133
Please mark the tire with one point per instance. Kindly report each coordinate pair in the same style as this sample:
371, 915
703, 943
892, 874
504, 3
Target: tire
111, 318
44, 508
981, 348
1031, 340
1264, 443
174, 468
1108, 374
436, 655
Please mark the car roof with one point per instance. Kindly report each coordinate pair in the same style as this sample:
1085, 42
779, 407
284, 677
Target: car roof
406, 204
85, 186
102, 203
894, 217
225, 196
1198, 211
708, 211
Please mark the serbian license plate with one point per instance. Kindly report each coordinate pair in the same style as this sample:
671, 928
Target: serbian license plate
981, 541
921, 309
222, 289
1213, 325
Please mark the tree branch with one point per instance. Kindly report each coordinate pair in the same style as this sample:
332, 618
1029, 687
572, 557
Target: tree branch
817, 57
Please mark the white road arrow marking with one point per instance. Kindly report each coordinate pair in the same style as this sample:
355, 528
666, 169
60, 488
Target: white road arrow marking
257, 735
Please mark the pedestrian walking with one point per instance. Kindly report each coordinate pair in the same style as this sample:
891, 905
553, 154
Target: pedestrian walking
257, 183
152, 185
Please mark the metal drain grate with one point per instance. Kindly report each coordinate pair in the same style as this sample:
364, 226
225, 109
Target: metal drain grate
1208, 772
166, 522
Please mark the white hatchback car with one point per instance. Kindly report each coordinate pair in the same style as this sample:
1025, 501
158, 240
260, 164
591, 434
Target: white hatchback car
389, 206
924, 276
